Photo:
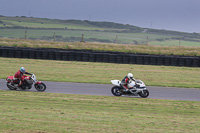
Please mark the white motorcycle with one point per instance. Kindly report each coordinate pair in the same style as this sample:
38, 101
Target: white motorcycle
135, 88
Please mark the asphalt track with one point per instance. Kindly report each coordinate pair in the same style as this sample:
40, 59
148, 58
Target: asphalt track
169, 93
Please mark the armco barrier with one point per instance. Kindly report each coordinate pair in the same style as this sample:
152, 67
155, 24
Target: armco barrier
139, 59
106, 58
72, 56
153, 60
195, 62
25, 53
160, 60
119, 58
167, 61
174, 61
112, 58
11, 53
181, 62
45, 55
38, 54
98, 56
65, 56
146, 59
92, 57
126, 59
31, 54
5, 52
18, 53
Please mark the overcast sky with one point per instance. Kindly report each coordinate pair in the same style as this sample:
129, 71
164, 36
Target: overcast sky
178, 15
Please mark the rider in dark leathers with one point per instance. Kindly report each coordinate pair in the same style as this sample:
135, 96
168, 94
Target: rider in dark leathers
125, 81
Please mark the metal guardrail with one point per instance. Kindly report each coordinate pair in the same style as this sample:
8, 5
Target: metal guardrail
98, 56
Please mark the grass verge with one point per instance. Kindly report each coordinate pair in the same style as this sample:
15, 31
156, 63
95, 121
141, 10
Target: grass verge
144, 49
47, 112
90, 72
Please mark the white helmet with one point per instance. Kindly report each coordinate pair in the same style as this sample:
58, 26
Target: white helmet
130, 76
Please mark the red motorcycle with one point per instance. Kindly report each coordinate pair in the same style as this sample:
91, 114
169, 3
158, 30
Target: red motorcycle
26, 84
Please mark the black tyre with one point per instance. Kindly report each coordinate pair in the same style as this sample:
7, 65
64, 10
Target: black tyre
144, 94
40, 87
11, 87
116, 91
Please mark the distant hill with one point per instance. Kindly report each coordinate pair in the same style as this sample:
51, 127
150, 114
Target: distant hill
118, 33
10, 22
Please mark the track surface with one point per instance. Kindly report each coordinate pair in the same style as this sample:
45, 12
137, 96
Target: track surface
170, 93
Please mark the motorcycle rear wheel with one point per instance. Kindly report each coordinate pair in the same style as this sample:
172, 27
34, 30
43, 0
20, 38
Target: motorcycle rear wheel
144, 94
10, 86
116, 91
40, 87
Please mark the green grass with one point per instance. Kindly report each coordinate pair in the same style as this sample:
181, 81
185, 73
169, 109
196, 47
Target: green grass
103, 34
176, 43
102, 73
109, 32
126, 38
41, 24
145, 49
35, 112
50, 23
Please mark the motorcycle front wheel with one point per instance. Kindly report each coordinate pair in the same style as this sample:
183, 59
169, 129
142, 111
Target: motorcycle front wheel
116, 91
40, 87
144, 94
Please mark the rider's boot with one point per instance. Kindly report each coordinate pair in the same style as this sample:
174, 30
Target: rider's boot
16, 86
125, 90
133, 89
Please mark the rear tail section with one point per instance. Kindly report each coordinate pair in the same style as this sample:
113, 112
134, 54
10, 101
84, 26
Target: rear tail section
9, 79
116, 82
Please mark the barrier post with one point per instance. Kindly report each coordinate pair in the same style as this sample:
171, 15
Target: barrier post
82, 38
25, 36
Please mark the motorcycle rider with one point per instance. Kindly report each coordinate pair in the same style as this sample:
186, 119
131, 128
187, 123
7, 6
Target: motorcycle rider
19, 75
125, 81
